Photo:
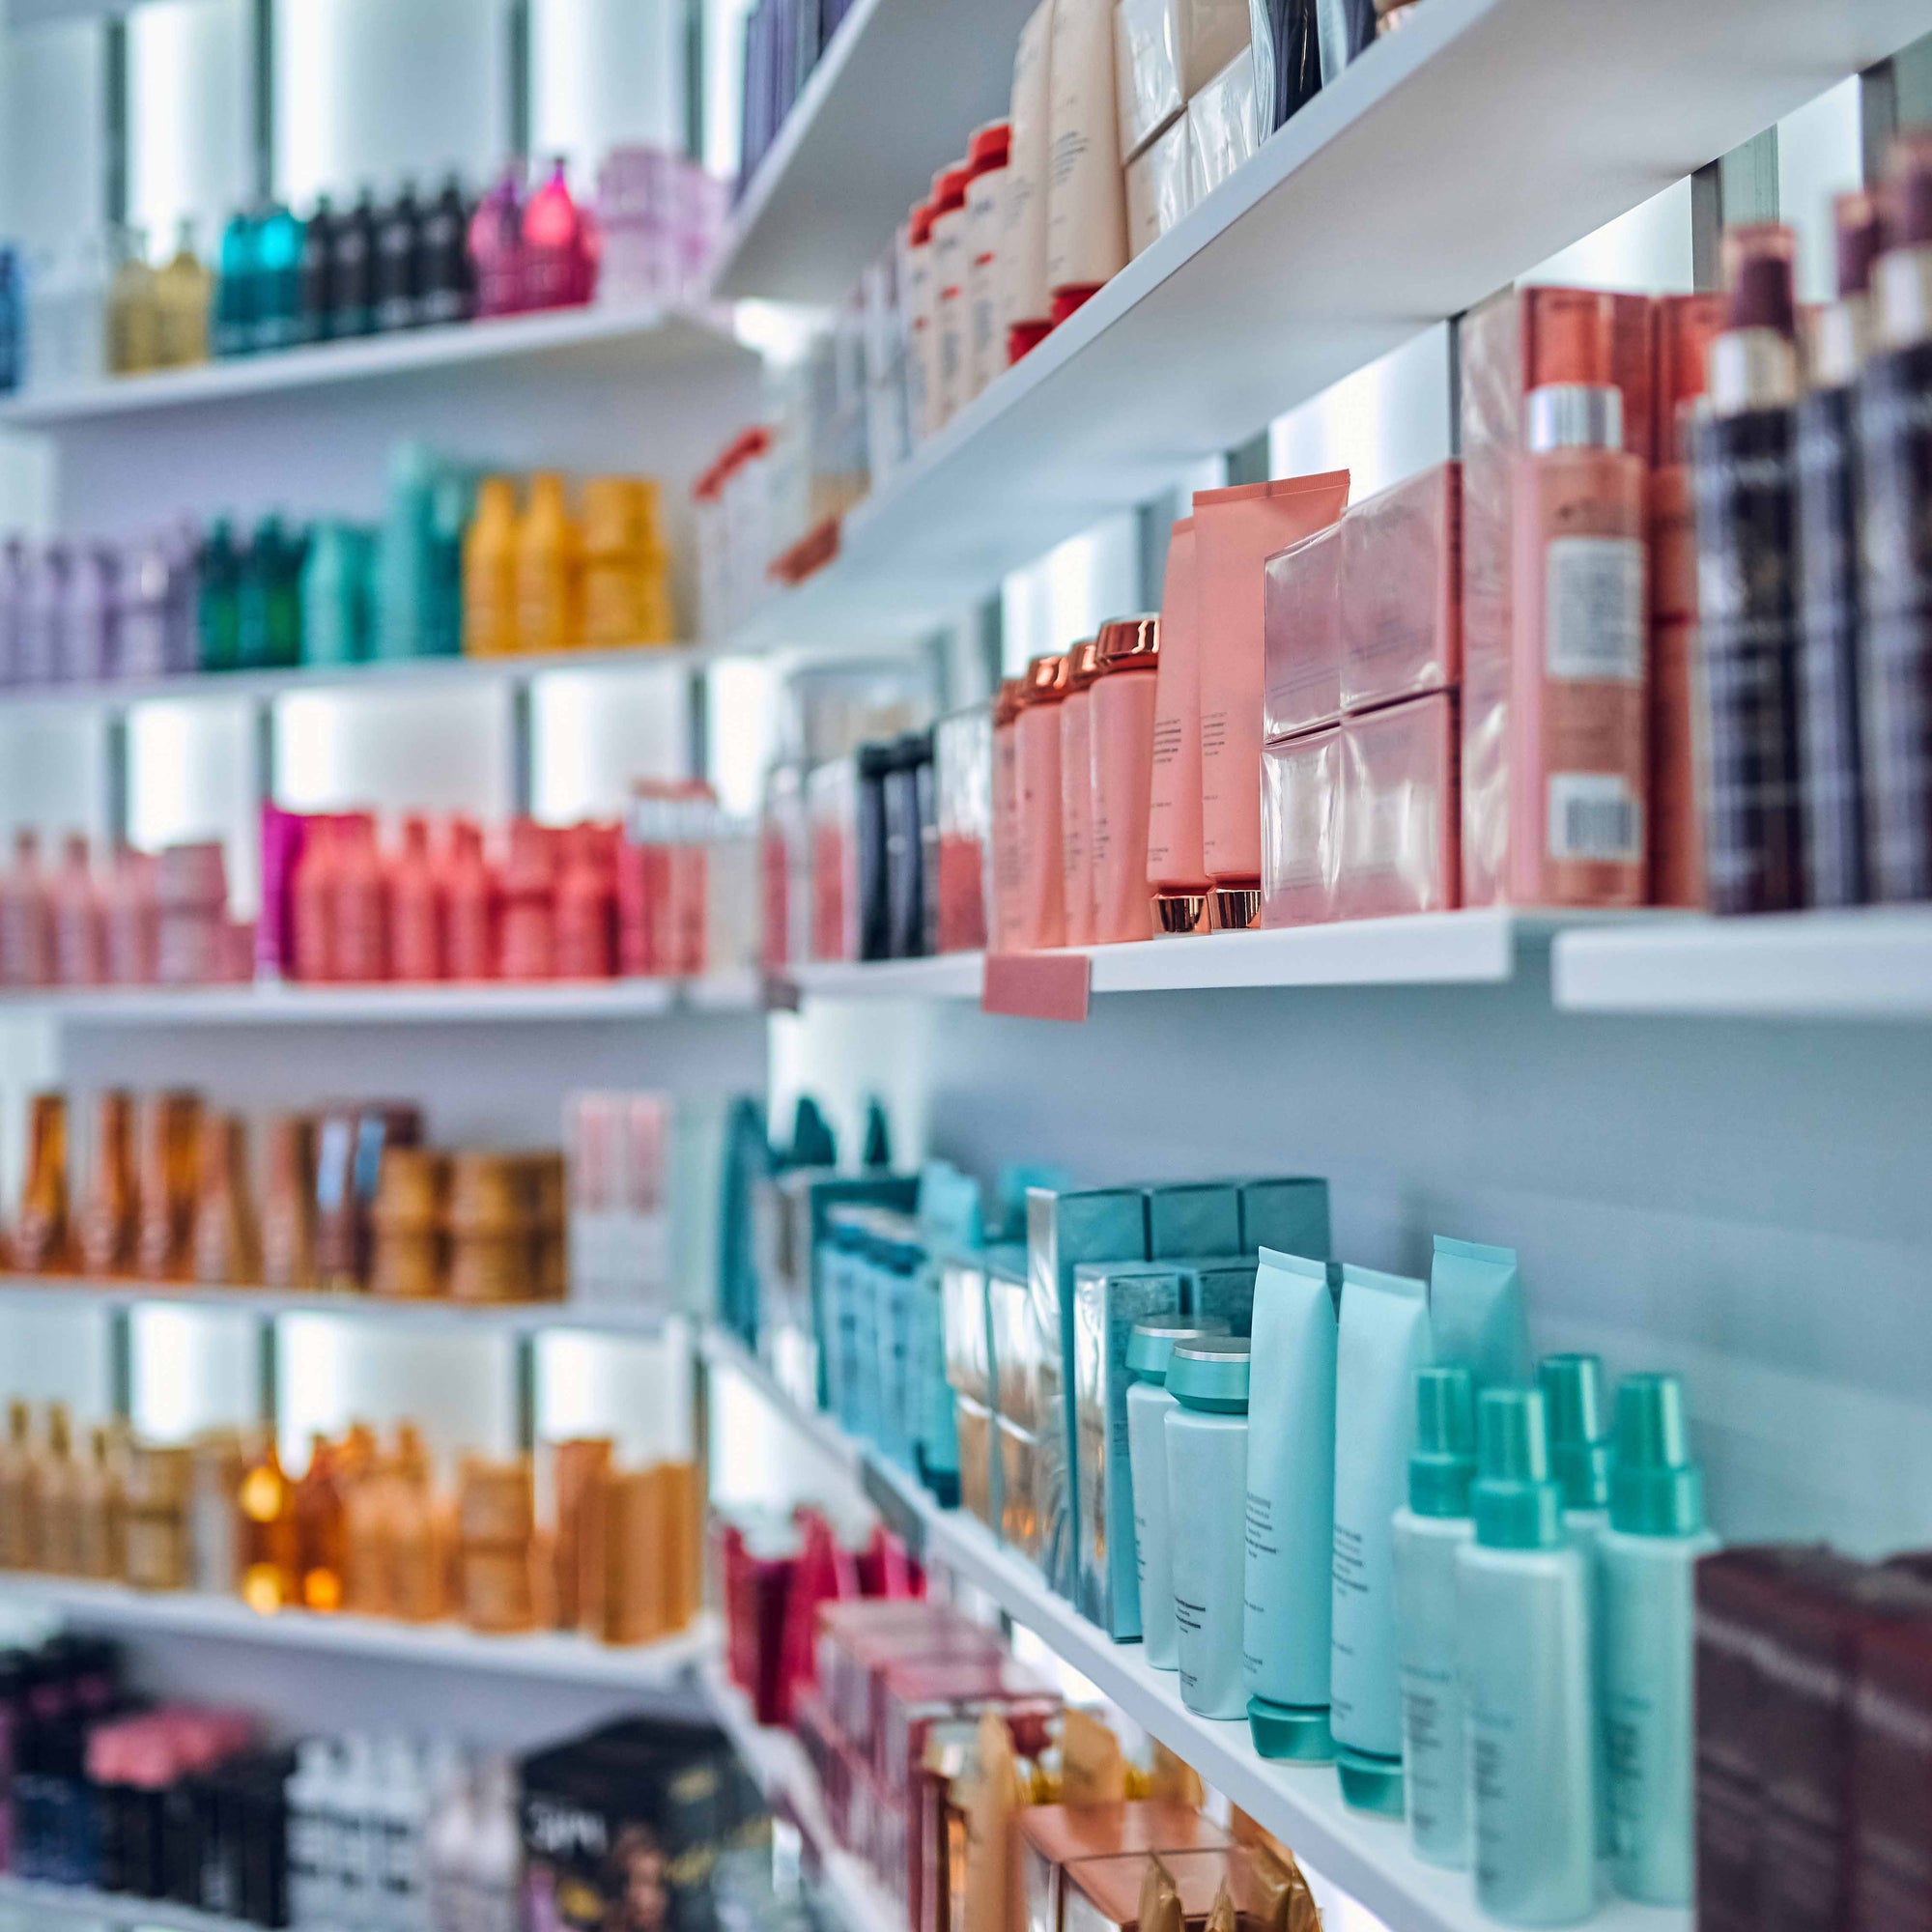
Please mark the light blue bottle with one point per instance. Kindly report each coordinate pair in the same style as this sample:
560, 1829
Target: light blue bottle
1522, 1612
1647, 1562
1431, 1532
1208, 1485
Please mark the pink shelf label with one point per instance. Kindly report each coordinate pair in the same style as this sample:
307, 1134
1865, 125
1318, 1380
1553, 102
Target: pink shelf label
1037, 985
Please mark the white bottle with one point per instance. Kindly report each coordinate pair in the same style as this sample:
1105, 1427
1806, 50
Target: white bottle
1208, 1489
358, 1835
1522, 1614
1647, 1563
311, 1837
497, 1852
1147, 1406
1431, 1529
402, 1813
447, 1841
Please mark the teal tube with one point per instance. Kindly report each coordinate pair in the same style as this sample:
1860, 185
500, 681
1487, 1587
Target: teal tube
1476, 1309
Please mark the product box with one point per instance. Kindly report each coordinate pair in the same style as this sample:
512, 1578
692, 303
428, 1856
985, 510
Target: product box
1221, 1288
1017, 1342
1890, 1795
1160, 186
1287, 1212
1108, 1298
1301, 635
1223, 127
1401, 598
1062, 1230
980, 1487
1399, 843
1165, 52
1194, 1217
806, 1198
1103, 1894
961, 832
1301, 789
1508, 346
968, 1328
1050, 1837
1019, 1461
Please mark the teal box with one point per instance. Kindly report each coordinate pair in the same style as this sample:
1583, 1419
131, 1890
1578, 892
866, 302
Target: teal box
1221, 1285
808, 1198
1289, 1216
1196, 1217
1062, 1230
1108, 1298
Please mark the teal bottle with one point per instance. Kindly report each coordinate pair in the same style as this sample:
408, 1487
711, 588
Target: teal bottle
219, 599
406, 567
334, 596
279, 279
234, 292
452, 499
270, 599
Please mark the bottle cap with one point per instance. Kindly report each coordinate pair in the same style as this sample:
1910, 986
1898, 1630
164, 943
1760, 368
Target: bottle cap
1657, 1489
1759, 277
1370, 1781
1008, 699
1854, 233
1576, 1403
1574, 415
1178, 915
1210, 1372
1083, 664
1908, 192
1151, 1344
1297, 1733
1129, 643
990, 147
1442, 1470
1046, 680
948, 189
1517, 1505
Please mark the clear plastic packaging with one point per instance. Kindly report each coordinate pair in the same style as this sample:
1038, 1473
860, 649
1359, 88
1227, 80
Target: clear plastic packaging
1222, 120
961, 860
1399, 837
831, 800
1160, 186
1300, 803
1401, 590
1301, 619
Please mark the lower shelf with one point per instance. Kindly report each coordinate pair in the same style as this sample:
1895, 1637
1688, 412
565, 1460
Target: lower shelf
31, 1906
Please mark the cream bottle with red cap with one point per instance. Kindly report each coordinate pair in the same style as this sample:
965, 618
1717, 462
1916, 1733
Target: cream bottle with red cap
920, 355
1086, 191
1039, 915
988, 158
1120, 727
1076, 786
950, 258
1025, 302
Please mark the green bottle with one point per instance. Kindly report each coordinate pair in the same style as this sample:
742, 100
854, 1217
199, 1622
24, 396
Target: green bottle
219, 608
334, 596
270, 598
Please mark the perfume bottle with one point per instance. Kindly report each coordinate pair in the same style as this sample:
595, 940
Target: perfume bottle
321, 1530
40, 1239
104, 1227
267, 1548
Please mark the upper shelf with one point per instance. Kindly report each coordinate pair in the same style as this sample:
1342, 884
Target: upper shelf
892, 100
615, 340
1451, 157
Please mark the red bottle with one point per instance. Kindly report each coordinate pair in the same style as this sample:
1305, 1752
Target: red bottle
530, 903
80, 925
359, 951
586, 904
558, 249
26, 919
471, 905
314, 902
496, 246
415, 891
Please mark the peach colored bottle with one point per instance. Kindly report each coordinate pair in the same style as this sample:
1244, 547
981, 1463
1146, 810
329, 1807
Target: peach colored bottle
1120, 723
132, 918
471, 903
1176, 875
530, 903
1005, 908
1579, 651
1235, 532
26, 919
79, 923
586, 905
1039, 912
1076, 786
314, 902
359, 951
415, 911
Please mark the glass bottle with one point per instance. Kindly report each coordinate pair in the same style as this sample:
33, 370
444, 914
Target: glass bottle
169, 1159
268, 1549
235, 294
39, 1240
133, 308
104, 1229
184, 291
221, 599
279, 257
321, 1530
99, 1507
227, 1249
288, 1204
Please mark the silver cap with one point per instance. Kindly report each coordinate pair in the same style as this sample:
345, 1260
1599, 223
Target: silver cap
1574, 415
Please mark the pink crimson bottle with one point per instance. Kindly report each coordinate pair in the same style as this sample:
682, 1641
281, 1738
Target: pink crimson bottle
530, 903
79, 940
359, 940
1040, 916
558, 249
471, 905
132, 920
415, 909
1076, 786
1121, 715
1005, 897
586, 906
496, 245
26, 918
313, 892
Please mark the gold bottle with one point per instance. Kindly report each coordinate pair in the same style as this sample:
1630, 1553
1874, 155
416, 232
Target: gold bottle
549, 570
105, 1224
288, 1204
57, 1498
134, 309
18, 1496
40, 1244
183, 290
98, 1497
269, 1553
169, 1163
489, 572
321, 1530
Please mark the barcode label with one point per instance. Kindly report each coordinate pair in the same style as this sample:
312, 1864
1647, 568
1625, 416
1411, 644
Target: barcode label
1594, 816
1593, 616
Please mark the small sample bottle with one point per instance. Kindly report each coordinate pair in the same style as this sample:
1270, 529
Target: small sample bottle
489, 572
1429, 1533
1208, 1473
1040, 906
1523, 1616
1743, 451
1148, 1403
1076, 792
1647, 1563
1122, 777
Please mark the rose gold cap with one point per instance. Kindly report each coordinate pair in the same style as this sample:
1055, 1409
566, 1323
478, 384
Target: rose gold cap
1180, 915
1083, 664
1235, 908
1046, 680
1759, 277
1128, 643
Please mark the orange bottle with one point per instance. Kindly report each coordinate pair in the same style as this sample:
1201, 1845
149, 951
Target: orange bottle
359, 953
489, 572
471, 905
169, 1166
40, 1243
269, 1554
104, 1225
288, 1207
549, 570
415, 910
322, 1535
314, 902
227, 1246
418, 1535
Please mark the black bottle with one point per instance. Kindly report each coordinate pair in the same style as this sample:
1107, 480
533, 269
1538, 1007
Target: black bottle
352, 272
398, 249
444, 285
316, 319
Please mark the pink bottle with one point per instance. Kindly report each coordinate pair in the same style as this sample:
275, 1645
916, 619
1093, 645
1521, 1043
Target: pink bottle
1177, 875
1076, 790
79, 935
557, 249
1039, 915
471, 905
586, 905
496, 246
360, 952
132, 920
691, 821
1121, 721
1002, 911
26, 919
313, 892
416, 912
530, 903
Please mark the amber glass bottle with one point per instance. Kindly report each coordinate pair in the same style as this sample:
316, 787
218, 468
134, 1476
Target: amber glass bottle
105, 1228
40, 1243
322, 1536
270, 1556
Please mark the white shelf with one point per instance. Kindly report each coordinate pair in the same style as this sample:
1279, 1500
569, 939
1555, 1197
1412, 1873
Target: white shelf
492, 1002
1377, 209
1873, 964
892, 100
947, 976
26, 1903
617, 341
723, 1351
553, 1656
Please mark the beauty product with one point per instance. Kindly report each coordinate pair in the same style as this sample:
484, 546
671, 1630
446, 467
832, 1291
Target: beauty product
268, 1555
1646, 1563
1399, 590
1076, 792
1287, 61
1302, 795
1165, 52
1193, 1218
1431, 1530
1160, 186
988, 168
1896, 647
1027, 302
1207, 1464
1383, 1337
1476, 1312
104, 1225
99, 1508
1396, 819
1003, 909
1121, 705
1291, 1507
1288, 1213
1174, 870
1086, 198
39, 1243
56, 1523
1222, 125
950, 262
321, 1557
1345, 29
489, 572
1147, 1404
1040, 901
227, 1246
1523, 1613
495, 1525
1744, 452
158, 1552
1234, 532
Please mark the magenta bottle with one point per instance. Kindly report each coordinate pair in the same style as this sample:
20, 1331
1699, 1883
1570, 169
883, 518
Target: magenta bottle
496, 246
556, 246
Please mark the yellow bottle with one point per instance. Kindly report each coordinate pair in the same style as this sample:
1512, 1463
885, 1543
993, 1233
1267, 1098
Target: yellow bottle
98, 1497
268, 1547
57, 1491
626, 596
17, 1490
657, 623
549, 570
489, 572
133, 310
184, 289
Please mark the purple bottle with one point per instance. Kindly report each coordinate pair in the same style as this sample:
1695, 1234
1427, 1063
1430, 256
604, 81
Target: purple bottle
87, 639
44, 609
13, 608
496, 246
145, 585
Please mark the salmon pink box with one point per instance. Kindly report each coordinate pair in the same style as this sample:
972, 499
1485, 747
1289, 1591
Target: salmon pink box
1301, 635
1300, 792
1401, 595
1400, 831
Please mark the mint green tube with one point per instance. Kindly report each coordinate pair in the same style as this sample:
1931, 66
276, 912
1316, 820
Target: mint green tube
1383, 1337
1291, 1516
1476, 1310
